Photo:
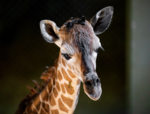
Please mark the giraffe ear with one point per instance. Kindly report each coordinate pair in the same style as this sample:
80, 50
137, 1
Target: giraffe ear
102, 20
49, 30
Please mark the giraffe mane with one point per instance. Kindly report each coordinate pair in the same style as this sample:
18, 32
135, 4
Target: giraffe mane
46, 77
70, 24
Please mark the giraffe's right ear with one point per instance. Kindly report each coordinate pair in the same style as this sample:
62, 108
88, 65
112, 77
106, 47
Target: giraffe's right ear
49, 30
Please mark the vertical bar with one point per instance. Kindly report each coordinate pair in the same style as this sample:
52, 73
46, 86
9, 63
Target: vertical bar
138, 56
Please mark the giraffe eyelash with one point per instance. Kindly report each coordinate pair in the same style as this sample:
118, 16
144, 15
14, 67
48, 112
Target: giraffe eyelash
97, 50
67, 57
100, 48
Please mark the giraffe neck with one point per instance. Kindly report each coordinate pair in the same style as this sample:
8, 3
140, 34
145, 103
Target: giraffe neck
61, 93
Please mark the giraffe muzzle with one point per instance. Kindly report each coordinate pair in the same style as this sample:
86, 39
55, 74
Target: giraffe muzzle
92, 86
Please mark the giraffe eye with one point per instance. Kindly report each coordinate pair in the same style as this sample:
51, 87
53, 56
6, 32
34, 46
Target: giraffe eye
100, 48
67, 57
97, 50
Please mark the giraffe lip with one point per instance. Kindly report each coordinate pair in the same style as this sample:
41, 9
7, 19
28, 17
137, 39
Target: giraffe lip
92, 86
93, 92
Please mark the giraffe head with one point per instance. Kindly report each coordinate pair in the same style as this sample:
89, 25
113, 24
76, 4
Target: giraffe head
79, 46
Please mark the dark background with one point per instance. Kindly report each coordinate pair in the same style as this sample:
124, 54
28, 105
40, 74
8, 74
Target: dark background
24, 54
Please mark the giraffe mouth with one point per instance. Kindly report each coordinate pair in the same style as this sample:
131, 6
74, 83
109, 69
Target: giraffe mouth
93, 92
92, 87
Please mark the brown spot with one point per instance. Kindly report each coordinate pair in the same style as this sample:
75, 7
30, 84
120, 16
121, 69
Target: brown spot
55, 111
52, 100
45, 107
29, 108
65, 75
57, 86
33, 112
42, 111
38, 106
63, 62
37, 103
59, 59
62, 106
53, 81
78, 82
55, 92
71, 74
69, 89
44, 95
67, 100
59, 76
63, 89
50, 86
69, 67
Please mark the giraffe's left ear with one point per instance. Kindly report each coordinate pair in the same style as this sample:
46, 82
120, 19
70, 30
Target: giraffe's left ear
102, 20
49, 30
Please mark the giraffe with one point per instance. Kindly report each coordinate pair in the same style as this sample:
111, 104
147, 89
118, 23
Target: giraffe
79, 47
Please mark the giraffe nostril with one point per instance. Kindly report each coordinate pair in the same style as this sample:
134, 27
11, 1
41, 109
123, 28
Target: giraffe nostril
88, 83
97, 80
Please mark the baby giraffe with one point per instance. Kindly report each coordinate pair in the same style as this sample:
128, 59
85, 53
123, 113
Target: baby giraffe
79, 47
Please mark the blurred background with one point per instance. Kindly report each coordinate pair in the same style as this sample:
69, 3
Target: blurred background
124, 66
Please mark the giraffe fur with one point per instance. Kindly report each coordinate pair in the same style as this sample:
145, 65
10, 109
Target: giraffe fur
79, 45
